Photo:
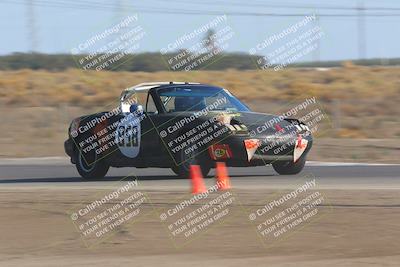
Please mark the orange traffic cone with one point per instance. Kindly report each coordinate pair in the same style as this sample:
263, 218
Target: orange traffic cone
223, 182
196, 177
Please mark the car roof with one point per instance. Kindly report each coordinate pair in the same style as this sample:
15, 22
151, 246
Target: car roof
144, 87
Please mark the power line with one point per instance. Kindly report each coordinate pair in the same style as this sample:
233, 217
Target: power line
142, 9
271, 5
82, 5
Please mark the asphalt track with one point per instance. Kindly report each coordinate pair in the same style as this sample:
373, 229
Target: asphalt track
58, 172
357, 223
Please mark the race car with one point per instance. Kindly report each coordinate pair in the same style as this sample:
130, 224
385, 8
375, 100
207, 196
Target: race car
178, 124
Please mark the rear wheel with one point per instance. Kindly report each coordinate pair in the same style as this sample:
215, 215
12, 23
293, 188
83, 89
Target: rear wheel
289, 167
89, 167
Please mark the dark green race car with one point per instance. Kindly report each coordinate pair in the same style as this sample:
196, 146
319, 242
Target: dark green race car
176, 124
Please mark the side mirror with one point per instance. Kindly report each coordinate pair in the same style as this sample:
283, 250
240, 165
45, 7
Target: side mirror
136, 109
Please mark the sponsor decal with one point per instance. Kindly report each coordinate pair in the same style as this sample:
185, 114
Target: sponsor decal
225, 118
279, 128
301, 145
220, 151
251, 146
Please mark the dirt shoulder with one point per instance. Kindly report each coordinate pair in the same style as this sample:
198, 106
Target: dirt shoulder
357, 228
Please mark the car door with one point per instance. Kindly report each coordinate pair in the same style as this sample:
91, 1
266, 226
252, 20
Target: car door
152, 146
136, 136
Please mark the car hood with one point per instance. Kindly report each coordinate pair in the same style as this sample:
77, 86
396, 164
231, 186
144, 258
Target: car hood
258, 124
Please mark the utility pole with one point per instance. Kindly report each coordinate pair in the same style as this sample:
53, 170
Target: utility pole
362, 43
31, 23
317, 53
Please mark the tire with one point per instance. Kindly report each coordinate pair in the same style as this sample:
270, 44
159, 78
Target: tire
289, 167
89, 167
184, 161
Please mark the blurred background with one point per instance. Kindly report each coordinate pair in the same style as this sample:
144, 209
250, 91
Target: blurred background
53, 67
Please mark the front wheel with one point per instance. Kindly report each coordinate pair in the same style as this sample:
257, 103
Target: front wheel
289, 167
89, 167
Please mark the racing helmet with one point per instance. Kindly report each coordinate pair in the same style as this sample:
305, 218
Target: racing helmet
190, 103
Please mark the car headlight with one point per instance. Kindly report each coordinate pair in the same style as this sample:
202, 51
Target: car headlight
73, 129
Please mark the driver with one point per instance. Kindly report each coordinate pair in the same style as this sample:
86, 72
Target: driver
191, 103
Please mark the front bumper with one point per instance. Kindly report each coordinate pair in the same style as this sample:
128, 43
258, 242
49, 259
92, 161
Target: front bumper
270, 149
69, 149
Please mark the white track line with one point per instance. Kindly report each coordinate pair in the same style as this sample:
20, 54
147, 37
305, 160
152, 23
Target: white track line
36, 161
333, 164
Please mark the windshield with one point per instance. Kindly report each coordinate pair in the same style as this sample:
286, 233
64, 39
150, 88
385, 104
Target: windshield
196, 98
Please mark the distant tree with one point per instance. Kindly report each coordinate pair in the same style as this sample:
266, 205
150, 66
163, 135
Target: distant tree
154, 61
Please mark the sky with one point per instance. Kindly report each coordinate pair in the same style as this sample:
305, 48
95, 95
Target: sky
61, 25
